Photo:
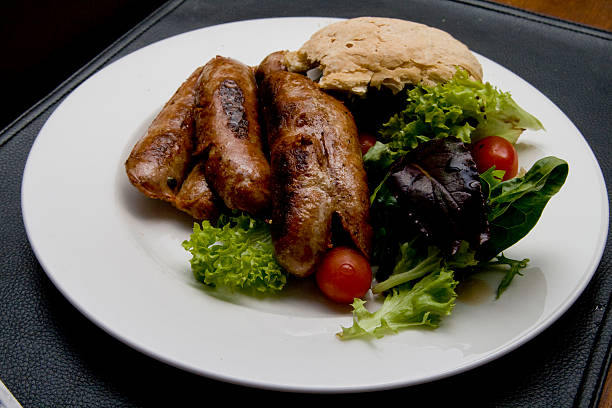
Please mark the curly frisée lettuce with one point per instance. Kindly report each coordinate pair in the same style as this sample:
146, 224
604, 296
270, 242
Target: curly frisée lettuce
237, 253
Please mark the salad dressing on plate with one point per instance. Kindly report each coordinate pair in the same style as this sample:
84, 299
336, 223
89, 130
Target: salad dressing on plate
474, 291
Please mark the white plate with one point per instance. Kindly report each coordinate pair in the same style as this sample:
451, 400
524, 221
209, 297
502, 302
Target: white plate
117, 255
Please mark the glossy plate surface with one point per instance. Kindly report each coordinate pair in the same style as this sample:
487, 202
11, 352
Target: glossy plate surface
117, 255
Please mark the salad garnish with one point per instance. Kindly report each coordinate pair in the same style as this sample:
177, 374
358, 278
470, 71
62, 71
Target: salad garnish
236, 253
434, 215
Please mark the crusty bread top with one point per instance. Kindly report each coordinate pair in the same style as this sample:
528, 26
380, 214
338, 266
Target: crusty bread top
374, 51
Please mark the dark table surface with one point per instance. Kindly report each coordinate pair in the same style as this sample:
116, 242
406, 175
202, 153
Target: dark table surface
51, 355
43, 43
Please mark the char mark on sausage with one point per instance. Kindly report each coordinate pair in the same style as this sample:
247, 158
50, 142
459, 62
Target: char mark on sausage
232, 101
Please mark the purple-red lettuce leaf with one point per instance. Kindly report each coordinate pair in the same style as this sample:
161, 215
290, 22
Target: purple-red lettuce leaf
437, 187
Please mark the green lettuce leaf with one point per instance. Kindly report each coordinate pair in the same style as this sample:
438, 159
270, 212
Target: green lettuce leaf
424, 304
462, 108
237, 253
495, 112
412, 265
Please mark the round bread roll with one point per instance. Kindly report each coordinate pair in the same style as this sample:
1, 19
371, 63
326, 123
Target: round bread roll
374, 51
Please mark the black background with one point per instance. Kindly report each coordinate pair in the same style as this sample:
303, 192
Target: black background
43, 42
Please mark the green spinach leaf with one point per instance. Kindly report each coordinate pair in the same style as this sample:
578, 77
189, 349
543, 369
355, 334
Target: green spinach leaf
515, 205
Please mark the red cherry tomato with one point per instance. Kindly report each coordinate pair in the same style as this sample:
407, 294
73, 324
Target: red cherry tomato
344, 274
366, 140
495, 151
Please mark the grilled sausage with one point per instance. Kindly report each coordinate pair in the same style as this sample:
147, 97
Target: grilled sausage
317, 171
159, 162
229, 135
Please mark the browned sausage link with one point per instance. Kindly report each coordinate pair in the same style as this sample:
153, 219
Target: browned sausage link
195, 197
317, 171
228, 132
302, 206
159, 161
